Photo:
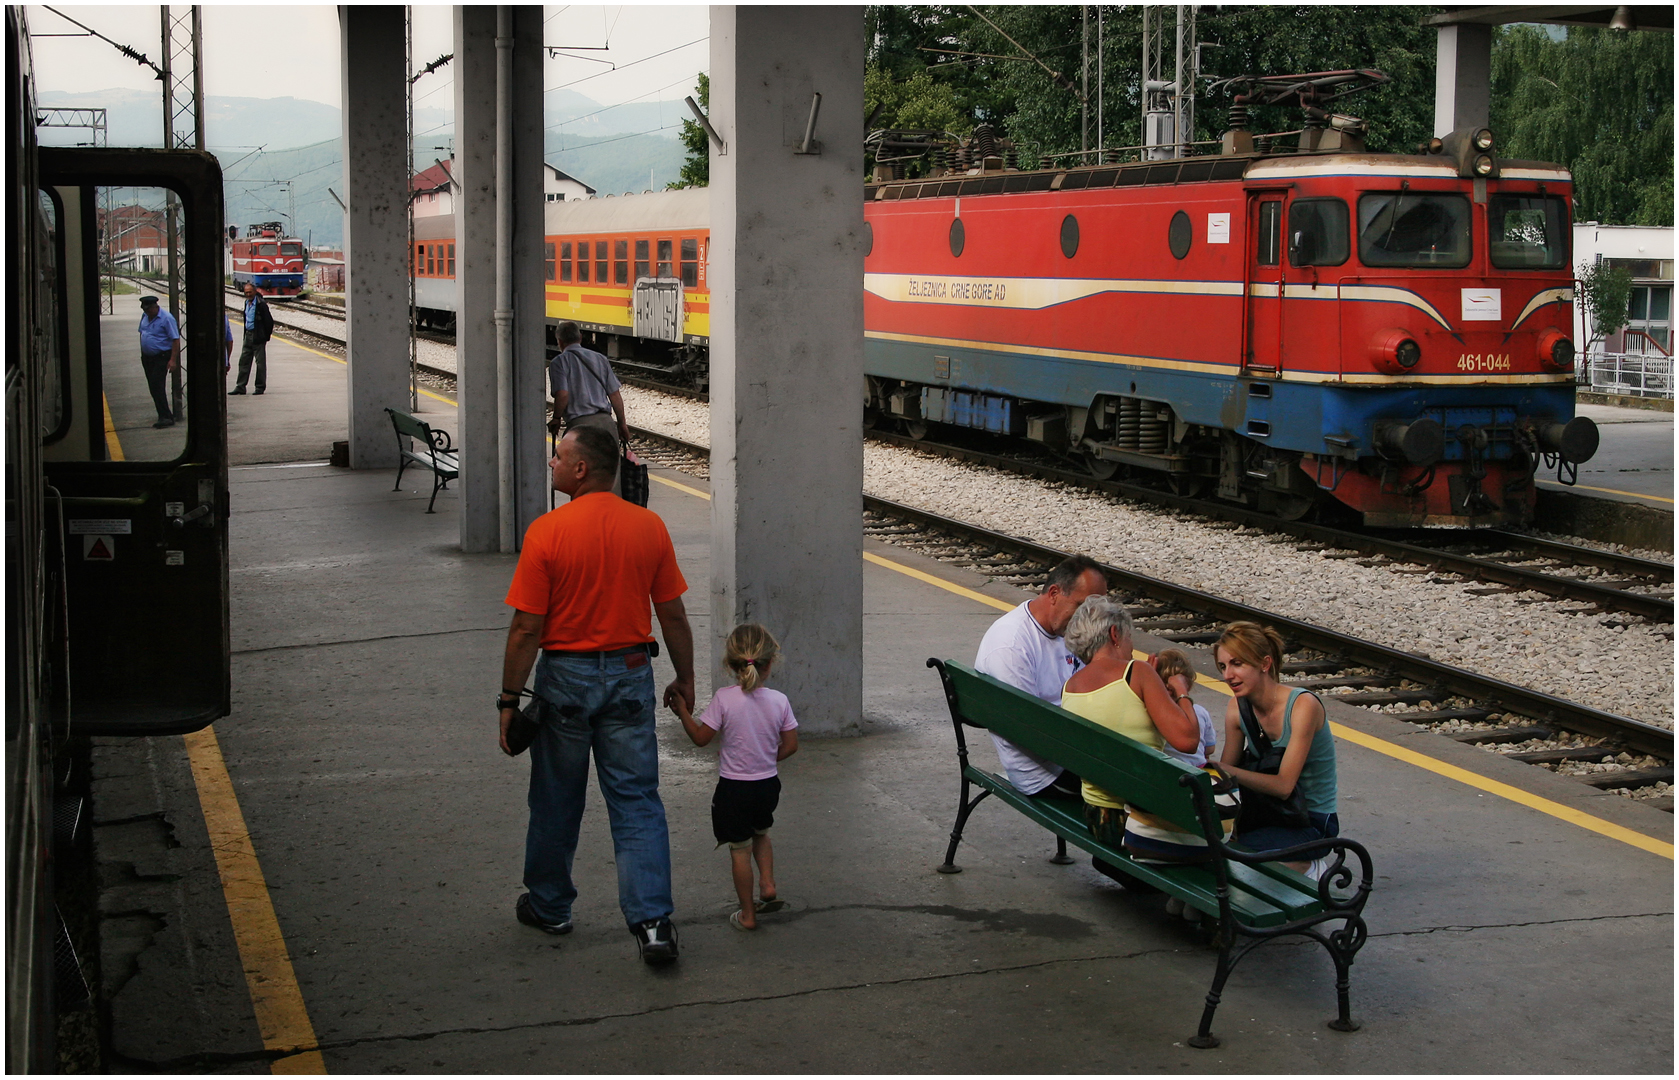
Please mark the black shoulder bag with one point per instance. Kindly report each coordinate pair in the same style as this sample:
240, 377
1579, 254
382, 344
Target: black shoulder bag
521, 731
632, 474
1259, 809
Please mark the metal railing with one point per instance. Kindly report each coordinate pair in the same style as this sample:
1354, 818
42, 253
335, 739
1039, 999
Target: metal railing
1630, 374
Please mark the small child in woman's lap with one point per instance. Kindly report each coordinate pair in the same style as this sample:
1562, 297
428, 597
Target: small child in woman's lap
758, 730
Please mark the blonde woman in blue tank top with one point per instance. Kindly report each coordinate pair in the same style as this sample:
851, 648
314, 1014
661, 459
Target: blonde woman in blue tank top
1249, 656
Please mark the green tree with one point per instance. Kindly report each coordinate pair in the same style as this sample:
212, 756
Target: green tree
1604, 292
696, 169
1599, 102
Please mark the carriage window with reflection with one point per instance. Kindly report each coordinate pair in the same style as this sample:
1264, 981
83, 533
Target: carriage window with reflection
451, 260
664, 268
139, 408
565, 260
690, 262
641, 259
548, 262
1404, 228
1527, 232
620, 259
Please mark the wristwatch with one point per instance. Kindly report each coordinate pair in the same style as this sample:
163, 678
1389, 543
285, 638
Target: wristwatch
510, 701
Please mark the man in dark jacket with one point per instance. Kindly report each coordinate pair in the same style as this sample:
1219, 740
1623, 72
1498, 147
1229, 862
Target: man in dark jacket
259, 327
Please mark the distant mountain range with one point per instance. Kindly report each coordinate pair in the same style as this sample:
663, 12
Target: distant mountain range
613, 149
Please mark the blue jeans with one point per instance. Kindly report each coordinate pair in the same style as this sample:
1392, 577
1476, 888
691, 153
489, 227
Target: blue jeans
606, 707
1273, 837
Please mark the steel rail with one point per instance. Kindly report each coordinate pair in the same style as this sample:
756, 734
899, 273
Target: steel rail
1656, 608
1636, 735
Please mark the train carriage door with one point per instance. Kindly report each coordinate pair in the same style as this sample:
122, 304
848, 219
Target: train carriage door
1262, 349
139, 484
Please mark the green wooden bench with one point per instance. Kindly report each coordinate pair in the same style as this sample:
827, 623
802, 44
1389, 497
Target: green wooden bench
1253, 897
432, 449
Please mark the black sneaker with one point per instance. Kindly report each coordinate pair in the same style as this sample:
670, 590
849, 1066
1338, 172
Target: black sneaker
259, 391
522, 911
164, 422
656, 938
236, 391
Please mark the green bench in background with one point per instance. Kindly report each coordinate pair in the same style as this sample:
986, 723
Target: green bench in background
432, 449
1253, 897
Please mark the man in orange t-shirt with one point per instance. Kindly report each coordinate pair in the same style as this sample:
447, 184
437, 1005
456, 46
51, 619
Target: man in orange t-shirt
587, 575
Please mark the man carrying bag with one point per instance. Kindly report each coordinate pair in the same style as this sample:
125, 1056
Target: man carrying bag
587, 394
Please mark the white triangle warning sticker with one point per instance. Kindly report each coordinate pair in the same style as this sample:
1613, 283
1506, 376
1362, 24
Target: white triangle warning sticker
98, 549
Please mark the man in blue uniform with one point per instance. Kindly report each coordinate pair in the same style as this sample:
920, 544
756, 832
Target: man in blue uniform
160, 354
259, 327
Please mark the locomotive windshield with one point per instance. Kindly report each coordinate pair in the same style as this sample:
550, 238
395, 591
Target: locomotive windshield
1402, 228
291, 249
1317, 232
1528, 232
264, 249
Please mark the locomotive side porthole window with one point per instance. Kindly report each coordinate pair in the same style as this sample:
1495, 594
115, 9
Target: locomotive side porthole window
1318, 232
1069, 236
1270, 230
958, 238
868, 239
1179, 235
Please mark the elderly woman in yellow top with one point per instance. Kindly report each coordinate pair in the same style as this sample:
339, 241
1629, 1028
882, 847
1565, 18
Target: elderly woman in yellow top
1115, 690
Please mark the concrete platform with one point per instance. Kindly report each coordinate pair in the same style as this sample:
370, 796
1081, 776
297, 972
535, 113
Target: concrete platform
389, 829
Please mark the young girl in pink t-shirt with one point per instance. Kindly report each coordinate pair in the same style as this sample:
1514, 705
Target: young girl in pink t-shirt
758, 730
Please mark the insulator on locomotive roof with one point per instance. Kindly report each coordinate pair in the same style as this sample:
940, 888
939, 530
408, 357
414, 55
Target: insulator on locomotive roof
985, 142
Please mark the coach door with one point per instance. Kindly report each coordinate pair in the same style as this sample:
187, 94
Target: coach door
1262, 353
135, 461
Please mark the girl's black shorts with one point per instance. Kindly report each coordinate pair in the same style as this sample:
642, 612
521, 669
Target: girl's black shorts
742, 809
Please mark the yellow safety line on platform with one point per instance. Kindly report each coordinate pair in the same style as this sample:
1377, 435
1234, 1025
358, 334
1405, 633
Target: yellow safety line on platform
346, 363
281, 1016
1606, 491
113, 445
696, 492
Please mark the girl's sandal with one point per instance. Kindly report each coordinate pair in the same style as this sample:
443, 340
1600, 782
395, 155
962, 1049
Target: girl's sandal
764, 907
734, 921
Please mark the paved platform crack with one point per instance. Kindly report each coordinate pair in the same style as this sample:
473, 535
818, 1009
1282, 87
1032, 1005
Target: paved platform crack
364, 640
1464, 928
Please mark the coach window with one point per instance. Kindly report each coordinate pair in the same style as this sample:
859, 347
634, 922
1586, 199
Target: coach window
583, 261
548, 261
420, 261
1317, 232
665, 269
600, 260
565, 260
641, 261
1270, 229
690, 263
621, 262
1403, 228
431, 261
451, 260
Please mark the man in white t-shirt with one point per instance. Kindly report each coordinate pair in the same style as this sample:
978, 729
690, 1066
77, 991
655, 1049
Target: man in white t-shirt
1024, 649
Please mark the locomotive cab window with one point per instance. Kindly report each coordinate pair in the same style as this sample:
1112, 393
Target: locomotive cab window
664, 269
1318, 232
1404, 228
292, 249
1270, 232
565, 260
1527, 232
266, 250
690, 262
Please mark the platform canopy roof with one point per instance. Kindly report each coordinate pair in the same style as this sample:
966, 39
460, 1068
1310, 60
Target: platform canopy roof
1621, 17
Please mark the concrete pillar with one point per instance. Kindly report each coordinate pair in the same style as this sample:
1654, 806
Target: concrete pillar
375, 227
786, 274
475, 274
1463, 77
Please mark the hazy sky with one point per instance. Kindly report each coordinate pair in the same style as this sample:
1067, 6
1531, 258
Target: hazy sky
292, 51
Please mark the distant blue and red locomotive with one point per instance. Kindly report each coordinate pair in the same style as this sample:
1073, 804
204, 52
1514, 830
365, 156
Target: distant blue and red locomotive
266, 256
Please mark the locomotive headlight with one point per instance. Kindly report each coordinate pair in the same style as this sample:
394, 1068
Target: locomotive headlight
1556, 352
1483, 140
1394, 351
1483, 165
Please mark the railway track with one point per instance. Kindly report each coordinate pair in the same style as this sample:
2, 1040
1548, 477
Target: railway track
278, 308
1349, 669
1503, 561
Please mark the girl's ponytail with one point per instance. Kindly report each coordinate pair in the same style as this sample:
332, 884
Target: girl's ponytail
749, 653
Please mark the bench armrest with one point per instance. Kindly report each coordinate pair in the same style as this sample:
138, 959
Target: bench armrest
1338, 876
440, 440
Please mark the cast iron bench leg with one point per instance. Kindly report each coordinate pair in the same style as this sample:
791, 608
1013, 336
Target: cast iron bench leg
1204, 1039
436, 483
949, 865
1061, 857
401, 463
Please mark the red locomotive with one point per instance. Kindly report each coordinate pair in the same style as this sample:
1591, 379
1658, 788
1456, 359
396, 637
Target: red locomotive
268, 257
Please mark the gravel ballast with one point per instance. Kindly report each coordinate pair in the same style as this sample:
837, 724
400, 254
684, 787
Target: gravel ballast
1521, 638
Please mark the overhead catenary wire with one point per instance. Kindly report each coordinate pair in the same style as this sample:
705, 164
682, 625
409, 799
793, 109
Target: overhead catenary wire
625, 67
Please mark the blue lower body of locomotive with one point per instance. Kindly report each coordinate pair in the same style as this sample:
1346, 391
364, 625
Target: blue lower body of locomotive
269, 281
983, 388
